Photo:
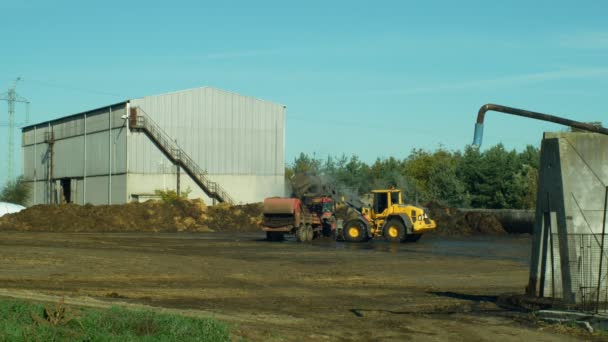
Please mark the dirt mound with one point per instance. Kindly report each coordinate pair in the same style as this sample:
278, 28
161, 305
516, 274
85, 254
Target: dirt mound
150, 216
195, 216
451, 221
223, 217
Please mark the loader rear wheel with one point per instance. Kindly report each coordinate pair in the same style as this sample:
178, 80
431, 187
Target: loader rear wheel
354, 231
394, 231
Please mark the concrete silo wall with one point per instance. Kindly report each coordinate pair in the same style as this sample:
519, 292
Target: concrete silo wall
567, 242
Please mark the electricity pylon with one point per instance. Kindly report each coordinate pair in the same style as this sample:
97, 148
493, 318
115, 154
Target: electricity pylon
11, 97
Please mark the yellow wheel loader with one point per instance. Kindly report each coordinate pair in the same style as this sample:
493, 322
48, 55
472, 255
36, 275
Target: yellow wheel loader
389, 218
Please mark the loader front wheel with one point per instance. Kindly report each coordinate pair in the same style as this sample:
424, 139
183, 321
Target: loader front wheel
354, 231
394, 231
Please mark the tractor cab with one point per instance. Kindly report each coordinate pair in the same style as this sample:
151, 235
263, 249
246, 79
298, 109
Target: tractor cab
323, 205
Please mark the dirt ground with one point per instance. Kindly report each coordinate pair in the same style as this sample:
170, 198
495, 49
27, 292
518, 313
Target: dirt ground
437, 289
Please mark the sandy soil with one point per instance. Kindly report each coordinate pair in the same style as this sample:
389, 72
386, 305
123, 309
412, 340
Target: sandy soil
437, 289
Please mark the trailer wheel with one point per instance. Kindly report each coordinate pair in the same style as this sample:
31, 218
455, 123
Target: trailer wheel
394, 231
354, 231
413, 237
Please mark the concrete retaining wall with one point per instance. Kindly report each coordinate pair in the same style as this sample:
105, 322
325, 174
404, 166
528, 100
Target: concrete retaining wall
513, 220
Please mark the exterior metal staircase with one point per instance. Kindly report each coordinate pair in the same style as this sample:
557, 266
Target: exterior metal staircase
139, 120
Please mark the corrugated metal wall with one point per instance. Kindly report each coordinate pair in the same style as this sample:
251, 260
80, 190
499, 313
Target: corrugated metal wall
239, 140
226, 133
106, 148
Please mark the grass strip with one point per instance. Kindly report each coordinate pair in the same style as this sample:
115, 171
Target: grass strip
26, 321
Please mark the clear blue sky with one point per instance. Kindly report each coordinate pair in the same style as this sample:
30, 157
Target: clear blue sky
373, 78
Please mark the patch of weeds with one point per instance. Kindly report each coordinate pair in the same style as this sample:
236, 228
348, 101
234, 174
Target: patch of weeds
27, 321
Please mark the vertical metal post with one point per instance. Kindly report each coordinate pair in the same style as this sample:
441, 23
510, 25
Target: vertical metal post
128, 111
552, 259
110, 156
599, 275
178, 179
49, 163
35, 162
84, 164
178, 157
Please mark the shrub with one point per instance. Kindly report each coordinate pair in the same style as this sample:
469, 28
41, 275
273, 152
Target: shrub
171, 196
16, 191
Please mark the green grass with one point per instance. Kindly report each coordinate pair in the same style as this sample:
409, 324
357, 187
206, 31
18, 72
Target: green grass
25, 321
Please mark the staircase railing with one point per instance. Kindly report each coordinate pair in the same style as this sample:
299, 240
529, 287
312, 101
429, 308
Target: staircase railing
141, 121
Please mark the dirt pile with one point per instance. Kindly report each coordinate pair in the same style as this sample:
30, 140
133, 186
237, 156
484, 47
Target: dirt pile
451, 221
150, 216
223, 217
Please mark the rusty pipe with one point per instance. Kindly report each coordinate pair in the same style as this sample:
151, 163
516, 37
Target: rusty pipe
528, 114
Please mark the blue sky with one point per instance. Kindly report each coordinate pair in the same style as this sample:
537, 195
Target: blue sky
375, 79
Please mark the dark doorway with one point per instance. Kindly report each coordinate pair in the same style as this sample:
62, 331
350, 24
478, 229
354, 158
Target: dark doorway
66, 190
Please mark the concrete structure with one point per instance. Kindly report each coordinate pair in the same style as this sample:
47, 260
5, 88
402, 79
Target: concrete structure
514, 221
567, 258
97, 157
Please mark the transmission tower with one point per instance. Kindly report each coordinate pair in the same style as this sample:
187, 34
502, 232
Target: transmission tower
11, 97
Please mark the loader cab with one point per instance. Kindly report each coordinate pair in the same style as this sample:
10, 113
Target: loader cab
384, 199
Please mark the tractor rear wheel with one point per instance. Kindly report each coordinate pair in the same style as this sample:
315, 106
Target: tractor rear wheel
301, 233
394, 231
354, 231
310, 234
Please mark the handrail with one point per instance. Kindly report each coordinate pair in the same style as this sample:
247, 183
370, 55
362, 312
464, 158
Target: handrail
178, 155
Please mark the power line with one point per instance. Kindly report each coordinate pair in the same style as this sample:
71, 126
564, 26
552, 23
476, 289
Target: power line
81, 89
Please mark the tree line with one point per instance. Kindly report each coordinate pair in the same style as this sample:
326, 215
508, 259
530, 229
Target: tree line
495, 178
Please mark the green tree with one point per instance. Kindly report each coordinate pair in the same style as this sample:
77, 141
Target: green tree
16, 191
306, 164
353, 174
494, 178
498, 178
302, 164
435, 175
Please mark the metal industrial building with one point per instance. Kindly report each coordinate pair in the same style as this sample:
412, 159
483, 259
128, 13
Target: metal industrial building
221, 146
